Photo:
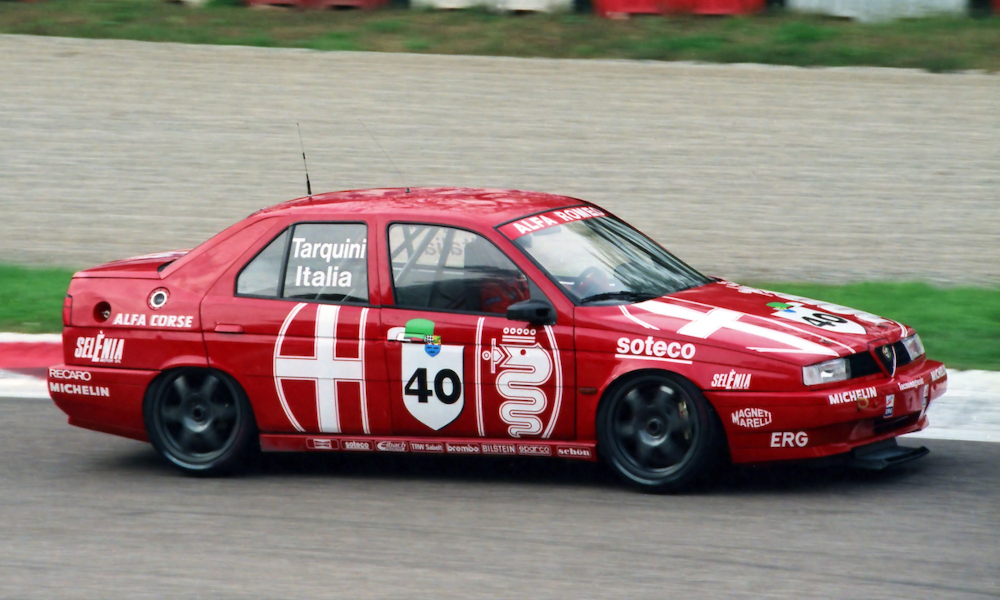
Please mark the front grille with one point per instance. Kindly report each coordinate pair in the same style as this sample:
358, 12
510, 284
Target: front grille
902, 356
887, 356
862, 365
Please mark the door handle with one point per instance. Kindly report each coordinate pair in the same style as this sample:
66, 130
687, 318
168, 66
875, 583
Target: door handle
226, 328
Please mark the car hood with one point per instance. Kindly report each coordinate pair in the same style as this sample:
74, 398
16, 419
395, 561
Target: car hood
777, 325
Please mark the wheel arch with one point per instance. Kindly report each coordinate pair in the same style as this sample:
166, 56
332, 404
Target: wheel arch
624, 378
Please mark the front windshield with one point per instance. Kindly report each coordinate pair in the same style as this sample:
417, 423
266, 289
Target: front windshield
604, 260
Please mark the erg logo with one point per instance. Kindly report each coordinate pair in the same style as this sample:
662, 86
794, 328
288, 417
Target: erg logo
654, 348
788, 439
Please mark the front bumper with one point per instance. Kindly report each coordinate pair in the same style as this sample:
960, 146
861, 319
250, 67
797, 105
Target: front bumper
767, 426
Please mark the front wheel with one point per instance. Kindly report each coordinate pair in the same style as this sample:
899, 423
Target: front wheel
199, 420
658, 432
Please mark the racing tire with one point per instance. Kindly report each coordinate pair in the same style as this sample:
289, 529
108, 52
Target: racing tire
658, 432
201, 421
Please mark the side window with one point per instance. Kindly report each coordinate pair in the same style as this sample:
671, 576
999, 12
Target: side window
443, 268
261, 276
328, 261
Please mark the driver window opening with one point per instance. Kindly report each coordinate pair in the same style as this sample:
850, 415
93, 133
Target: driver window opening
443, 268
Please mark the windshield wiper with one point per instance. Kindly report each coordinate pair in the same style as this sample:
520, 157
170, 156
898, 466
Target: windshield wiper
629, 295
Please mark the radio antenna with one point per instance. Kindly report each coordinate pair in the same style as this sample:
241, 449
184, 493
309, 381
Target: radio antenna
398, 172
309, 189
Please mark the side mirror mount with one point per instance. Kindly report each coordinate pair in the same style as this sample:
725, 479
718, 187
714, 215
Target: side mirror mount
536, 312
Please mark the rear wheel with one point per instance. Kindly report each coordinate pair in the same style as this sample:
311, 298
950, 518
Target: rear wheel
658, 432
199, 420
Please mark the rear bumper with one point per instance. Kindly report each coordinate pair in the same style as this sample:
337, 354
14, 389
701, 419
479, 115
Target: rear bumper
101, 399
762, 426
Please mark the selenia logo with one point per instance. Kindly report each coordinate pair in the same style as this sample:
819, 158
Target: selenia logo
100, 349
731, 380
642, 348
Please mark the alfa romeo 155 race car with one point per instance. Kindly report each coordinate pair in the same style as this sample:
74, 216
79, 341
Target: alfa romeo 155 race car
476, 322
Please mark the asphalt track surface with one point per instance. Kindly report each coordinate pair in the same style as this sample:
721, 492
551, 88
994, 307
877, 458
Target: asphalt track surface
93, 516
116, 148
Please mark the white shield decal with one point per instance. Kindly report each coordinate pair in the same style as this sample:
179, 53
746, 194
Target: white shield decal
433, 385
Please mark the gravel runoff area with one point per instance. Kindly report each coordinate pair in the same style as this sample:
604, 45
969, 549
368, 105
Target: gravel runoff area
116, 148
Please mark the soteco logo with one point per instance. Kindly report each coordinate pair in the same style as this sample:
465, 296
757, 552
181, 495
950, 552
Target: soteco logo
462, 448
788, 439
357, 445
534, 450
387, 446
573, 452
731, 380
844, 397
752, 418
69, 374
100, 349
627, 348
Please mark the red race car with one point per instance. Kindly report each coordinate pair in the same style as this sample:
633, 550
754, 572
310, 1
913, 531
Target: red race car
463, 321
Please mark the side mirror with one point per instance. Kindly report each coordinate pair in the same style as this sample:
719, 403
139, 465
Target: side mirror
536, 312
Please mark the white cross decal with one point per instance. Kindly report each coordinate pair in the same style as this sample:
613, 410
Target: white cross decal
323, 367
704, 324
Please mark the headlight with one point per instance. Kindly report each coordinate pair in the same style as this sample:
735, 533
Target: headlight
914, 347
826, 372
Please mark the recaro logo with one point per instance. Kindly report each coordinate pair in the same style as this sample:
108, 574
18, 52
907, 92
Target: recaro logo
69, 374
654, 348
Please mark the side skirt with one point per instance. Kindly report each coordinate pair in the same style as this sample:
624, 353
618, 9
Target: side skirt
467, 446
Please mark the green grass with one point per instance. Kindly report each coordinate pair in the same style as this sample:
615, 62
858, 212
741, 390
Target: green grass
31, 298
959, 325
935, 44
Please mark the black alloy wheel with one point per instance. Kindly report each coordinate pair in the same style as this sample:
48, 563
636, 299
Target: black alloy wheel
658, 432
200, 421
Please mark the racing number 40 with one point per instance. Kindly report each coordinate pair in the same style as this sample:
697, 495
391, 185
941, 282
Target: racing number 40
417, 386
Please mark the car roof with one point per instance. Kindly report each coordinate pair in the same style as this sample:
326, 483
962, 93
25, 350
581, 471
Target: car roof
488, 207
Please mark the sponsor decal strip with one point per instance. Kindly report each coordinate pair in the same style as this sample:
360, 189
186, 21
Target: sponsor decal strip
550, 219
323, 443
